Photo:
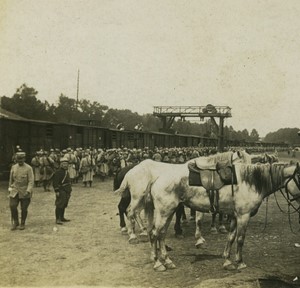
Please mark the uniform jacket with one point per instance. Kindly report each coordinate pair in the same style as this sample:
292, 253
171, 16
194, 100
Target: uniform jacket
61, 181
21, 181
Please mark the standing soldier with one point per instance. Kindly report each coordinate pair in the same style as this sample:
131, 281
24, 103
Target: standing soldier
20, 190
71, 167
87, 165
35, 164
102, 164
47, 170
63, 188
157, 156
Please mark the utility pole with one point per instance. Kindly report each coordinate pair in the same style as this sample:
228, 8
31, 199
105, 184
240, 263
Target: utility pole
77, 90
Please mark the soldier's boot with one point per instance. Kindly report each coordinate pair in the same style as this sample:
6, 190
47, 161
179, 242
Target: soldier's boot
58, 216
15, 219
23, 219
63, 219
45, 185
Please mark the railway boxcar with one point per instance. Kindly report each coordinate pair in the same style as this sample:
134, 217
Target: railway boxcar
34, 135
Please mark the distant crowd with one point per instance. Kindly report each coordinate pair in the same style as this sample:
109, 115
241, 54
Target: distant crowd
104, 163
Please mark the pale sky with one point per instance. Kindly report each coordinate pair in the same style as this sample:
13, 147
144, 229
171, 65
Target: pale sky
136, 54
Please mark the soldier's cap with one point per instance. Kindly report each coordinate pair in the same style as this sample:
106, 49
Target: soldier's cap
20, 155
64, 159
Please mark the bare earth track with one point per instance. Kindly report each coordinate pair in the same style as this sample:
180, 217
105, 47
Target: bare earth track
90, 250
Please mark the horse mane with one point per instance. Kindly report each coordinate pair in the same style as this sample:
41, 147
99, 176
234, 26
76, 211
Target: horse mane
257, 158
246, 156
220, 157
265, 177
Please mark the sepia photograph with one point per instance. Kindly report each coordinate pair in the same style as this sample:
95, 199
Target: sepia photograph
150, 143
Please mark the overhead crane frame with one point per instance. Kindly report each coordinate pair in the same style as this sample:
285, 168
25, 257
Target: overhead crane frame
167, 114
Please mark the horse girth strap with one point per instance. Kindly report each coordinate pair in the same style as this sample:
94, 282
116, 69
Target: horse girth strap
214, 200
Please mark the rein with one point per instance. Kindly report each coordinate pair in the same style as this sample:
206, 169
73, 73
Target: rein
296, 177
286, 196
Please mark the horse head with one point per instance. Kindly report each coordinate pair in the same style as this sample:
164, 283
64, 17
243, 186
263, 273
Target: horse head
270, 158
292, 185
240, 156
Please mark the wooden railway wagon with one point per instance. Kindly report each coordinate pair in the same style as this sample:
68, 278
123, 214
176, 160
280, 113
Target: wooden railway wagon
33, 135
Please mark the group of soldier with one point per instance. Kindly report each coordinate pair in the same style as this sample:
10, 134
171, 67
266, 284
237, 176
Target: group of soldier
20, 189
86, 163
64, 168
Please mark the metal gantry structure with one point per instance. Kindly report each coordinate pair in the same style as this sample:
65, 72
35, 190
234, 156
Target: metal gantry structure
167, 114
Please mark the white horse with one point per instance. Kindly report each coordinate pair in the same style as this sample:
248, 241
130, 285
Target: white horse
140, 179
254, 183
255, 158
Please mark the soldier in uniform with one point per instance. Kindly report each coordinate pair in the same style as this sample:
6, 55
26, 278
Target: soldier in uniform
36, 164
63, 188
21, 181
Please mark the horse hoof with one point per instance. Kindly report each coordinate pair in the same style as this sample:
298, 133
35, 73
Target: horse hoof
144, 236
124, 231
241, 266
133, 240
170, 265
159, 267
228, 265
213, 230
200, 242
168, 248
223, 230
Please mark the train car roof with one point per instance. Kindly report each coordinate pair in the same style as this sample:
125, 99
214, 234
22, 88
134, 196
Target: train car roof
9, 115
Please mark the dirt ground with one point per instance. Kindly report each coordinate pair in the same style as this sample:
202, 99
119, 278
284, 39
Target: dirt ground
91, 251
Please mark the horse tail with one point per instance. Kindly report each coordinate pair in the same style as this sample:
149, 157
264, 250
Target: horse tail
122, 188
149, 205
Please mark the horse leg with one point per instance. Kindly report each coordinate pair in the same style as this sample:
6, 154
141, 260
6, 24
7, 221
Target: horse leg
222, 229
154, 240
131, 215
131, 227
242, 223
213, 228
163, 252
231, 237
143, 234
192, 214
177, 226
123, 205
200, 240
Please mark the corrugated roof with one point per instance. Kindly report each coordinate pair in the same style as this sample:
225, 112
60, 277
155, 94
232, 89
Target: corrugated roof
9, 115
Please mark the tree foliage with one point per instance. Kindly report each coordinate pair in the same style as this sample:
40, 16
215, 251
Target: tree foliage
284, 135
26, 104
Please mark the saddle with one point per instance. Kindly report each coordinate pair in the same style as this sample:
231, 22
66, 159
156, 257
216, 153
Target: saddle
212, 177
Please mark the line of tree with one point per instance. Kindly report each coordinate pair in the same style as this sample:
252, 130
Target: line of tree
26, 104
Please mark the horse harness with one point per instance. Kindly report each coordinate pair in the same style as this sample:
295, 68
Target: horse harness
287, 195
212, 177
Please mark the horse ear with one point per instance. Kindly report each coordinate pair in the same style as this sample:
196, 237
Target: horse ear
239, 153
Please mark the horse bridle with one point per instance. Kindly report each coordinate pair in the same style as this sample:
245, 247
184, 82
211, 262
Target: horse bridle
296, 177
287, 194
